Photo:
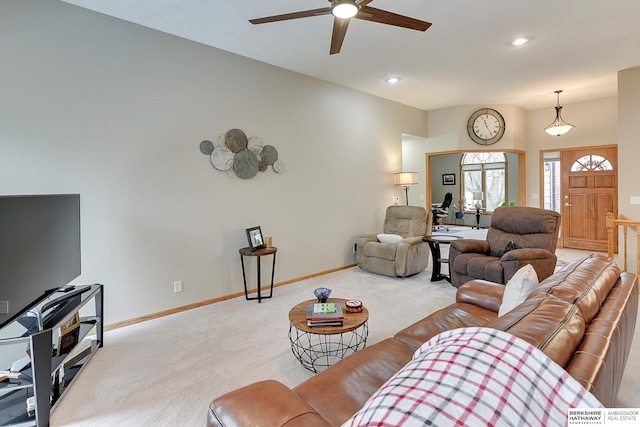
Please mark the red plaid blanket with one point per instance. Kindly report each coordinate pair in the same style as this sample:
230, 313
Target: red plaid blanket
476, 377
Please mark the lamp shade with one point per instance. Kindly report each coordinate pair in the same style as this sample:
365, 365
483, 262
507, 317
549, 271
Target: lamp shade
405, 178
477, 195
559, 126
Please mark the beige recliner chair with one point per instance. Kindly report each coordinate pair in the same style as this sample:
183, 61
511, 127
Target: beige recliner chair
401, 252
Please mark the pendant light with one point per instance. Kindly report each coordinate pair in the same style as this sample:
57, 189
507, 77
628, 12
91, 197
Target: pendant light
559, 126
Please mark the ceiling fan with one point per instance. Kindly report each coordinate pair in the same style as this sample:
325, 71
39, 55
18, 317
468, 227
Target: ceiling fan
343, 11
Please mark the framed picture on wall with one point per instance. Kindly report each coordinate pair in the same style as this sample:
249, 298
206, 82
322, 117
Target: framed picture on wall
448, 179
254, 236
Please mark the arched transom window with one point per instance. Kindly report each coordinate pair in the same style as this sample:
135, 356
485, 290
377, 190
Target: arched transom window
591, 162
484, 174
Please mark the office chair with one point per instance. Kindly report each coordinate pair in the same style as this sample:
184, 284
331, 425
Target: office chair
441, 211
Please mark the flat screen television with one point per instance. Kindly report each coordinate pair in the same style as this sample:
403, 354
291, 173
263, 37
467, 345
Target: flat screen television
39, 249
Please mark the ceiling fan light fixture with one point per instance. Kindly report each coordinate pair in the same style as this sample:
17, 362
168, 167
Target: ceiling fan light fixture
559, 126
345, 9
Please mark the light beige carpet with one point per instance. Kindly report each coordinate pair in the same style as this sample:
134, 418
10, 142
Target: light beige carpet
165, 372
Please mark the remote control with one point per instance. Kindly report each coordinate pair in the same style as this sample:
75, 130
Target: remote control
67, 288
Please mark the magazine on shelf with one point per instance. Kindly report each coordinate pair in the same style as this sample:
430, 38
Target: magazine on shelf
334, 315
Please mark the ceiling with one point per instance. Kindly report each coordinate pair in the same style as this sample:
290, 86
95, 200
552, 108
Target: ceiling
466, 57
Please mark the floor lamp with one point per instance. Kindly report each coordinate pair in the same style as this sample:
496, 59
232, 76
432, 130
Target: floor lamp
405, 179
477, 195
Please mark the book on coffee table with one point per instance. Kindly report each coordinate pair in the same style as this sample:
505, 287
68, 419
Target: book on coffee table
324, 323
329, 312
325, 308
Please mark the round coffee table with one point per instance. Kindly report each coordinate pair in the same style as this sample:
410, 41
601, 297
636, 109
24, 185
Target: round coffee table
317, 348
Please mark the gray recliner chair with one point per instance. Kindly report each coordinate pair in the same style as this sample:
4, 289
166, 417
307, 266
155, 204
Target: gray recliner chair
407, 254
518, 236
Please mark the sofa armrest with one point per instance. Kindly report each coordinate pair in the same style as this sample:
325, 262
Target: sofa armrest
542, 260
526, 254
263, 403
367, 238
471, 245
361, 241
481, 293
412, 240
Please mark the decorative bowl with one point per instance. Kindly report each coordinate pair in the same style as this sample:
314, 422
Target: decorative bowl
322, 294
353, 306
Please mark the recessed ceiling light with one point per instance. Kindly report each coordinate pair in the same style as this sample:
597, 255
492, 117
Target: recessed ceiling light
393, 80
519, 42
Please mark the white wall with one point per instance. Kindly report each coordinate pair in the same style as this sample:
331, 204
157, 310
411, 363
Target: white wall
116, 112
628, 152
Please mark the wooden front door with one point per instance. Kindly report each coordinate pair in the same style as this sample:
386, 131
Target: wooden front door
589, 191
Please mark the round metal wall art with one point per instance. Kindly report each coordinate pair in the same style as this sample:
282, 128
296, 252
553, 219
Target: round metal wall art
236, 140
222, 159
206, 147
246, 164
255, 145
240, 156
269, 154
278, 166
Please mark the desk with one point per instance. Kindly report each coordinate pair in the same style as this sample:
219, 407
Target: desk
434, 244
259, 253
318, 348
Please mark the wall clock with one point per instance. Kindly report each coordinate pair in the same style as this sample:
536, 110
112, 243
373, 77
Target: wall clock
485, 126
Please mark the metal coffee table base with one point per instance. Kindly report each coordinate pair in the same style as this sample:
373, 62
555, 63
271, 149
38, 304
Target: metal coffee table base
317, 352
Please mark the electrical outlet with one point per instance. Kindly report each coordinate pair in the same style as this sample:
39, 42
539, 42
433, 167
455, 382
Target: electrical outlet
395, 199
634, 200
177, 286
4, 307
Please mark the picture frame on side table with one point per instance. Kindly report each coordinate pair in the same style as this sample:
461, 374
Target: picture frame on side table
448, 179
254, 236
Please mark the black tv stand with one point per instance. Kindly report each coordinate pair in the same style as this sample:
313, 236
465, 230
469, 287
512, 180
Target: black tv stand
55, 359
67, 295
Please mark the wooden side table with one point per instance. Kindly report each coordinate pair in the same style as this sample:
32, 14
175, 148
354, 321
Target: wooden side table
259, 253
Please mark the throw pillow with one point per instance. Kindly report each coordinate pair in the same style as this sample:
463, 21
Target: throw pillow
392, 239
510, 246
518, 288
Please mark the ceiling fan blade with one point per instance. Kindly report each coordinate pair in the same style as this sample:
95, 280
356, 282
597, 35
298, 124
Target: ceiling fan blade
368, 13
293, 15
339, 31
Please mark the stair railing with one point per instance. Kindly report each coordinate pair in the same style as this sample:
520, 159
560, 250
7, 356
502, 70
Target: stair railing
613, 223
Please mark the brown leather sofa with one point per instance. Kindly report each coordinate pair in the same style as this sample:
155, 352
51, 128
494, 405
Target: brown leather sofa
583, 317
